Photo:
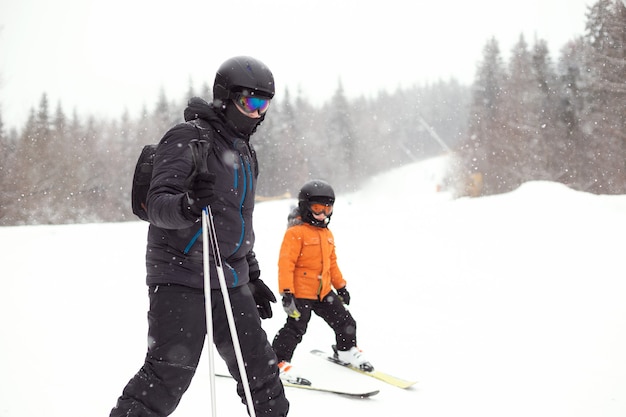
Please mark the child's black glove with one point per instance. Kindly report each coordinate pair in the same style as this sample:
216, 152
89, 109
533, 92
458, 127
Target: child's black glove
289, 305
344, 295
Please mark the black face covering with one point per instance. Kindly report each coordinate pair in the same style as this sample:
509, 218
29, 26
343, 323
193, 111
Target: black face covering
242, 123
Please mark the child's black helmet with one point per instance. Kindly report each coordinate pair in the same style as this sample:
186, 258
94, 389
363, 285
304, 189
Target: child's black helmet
243, 74
315, 191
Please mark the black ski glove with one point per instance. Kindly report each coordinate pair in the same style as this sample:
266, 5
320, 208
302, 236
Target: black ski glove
289, 305
200, 195
344, 295
262, 297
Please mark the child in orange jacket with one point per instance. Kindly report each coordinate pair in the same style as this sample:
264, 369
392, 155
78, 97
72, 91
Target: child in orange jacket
307, 274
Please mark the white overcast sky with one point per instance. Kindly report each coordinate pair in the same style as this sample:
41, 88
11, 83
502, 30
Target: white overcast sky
101, 57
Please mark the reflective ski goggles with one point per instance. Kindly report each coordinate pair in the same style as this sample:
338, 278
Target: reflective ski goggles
319, 208
250, 104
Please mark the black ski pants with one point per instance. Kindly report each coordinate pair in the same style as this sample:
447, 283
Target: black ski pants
176, 332
331, 310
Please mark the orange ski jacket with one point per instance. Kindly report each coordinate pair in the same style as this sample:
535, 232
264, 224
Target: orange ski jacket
307, 265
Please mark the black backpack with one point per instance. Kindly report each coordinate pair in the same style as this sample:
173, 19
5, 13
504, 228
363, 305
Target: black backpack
143, 172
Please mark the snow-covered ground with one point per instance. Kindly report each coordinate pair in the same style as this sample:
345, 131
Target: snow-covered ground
510, 305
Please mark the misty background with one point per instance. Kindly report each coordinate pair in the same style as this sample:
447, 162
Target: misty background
526, 116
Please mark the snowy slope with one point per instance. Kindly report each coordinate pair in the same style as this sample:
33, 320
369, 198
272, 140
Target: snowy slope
509, 305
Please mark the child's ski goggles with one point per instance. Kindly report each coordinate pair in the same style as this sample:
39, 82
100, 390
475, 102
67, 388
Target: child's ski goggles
250, 104
318, 208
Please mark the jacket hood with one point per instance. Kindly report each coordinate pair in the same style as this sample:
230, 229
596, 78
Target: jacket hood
198, 108
295, 218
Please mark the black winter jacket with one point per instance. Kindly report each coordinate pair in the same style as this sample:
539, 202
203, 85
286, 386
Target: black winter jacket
174, 250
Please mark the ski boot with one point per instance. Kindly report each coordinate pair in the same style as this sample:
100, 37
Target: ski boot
287, 374
353, 357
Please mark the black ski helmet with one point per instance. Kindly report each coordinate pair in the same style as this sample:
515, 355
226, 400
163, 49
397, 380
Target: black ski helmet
243, 74
315, 191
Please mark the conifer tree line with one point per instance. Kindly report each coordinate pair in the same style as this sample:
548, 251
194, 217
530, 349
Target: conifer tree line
526, 119
62, 169
534, 120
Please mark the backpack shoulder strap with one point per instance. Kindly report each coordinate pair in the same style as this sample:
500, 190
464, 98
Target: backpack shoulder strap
205, 131
201, 148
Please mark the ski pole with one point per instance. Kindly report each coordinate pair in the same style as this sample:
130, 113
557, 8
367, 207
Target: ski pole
199, 152
229, 312
208, 309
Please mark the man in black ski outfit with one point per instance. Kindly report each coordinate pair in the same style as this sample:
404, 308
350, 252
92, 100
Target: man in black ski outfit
242, 92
